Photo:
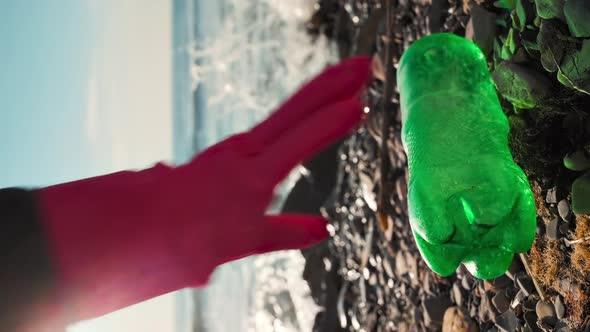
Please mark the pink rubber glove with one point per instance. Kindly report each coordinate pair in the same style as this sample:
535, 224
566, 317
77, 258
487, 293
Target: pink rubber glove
123, 238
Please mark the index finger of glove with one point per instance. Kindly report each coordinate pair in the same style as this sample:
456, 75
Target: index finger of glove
340, 82
301, 142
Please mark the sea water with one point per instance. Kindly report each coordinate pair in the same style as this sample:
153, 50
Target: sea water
235, 61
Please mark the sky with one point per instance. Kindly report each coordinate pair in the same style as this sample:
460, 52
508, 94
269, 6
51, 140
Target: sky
86, 89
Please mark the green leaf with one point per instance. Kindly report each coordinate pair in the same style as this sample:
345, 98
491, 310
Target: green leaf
506, 4
516, 21
502, 23
525, 12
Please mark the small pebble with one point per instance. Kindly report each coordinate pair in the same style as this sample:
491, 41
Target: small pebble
531, 319
563, 208
564, 228
434, 309
566, 284
546, 313
515, 267
552, 228
501, 302
529, 304
465, 283
540, 229
559, 307
426, 283
456, 321
401, 267
520, 296
501, 282
473, 311
507, 321
485, 310
458, 295
487, 285
562, 326
551, 196
526, 285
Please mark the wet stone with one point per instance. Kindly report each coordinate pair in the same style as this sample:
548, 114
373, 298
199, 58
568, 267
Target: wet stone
540, 229
552, 229
562, 326
518, 298
501, 302
563, 208
515, 268
485, 309
434, 309
512, 291
564, 229
455, 320
473, 310
565, 284
507, 321
466, 283
559, 308
501, 282
426, 283
551, 196
530, 319
457, 294
525, 284
530, 304
546, 313
401, 267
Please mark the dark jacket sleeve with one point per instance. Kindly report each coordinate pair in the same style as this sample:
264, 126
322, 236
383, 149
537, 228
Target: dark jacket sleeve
25, 271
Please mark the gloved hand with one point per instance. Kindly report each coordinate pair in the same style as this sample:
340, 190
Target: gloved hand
119, 239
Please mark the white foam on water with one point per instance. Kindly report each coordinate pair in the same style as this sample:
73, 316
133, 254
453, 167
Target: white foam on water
248, 57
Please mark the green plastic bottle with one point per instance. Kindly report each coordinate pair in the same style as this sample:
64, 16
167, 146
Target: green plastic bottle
468, 200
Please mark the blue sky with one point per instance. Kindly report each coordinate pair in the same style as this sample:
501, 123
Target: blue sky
44, 63
86, 89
